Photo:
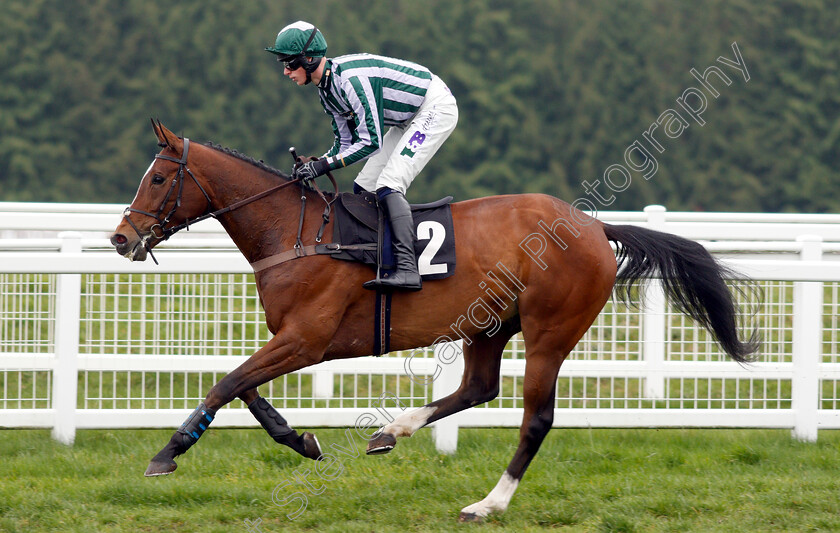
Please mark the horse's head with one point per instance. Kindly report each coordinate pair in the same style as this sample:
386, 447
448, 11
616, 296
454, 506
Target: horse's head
168, 197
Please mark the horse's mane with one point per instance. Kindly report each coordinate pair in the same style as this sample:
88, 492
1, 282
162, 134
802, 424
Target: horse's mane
259, 163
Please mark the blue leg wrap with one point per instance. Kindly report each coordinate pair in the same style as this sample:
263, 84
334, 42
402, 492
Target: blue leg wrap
196, 424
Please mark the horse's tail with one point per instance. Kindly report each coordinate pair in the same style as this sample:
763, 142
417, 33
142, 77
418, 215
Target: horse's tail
692, 279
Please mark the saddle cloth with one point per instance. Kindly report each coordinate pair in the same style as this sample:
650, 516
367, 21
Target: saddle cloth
357, 222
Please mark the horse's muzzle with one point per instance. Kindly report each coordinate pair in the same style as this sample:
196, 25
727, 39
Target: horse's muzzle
133, 250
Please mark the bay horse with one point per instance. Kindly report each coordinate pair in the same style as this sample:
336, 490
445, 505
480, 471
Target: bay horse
529, 263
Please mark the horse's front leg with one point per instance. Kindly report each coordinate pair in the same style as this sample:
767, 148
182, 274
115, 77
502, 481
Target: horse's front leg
277, 428
280, 356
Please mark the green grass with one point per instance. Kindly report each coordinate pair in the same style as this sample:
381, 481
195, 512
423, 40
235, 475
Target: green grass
582, 480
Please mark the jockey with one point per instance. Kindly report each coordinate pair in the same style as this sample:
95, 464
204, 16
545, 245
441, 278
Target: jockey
364, 94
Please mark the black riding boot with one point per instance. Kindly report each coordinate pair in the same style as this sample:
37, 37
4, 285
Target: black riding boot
402, 226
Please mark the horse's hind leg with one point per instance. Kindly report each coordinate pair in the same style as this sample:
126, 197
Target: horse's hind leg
480, 384
540, 382
551, 328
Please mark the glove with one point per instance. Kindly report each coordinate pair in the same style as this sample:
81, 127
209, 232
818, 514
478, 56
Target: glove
309, 168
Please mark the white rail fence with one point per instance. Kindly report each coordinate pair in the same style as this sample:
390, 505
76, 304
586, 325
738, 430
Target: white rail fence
89, 340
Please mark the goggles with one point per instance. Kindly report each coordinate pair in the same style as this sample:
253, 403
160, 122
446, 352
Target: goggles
293, 63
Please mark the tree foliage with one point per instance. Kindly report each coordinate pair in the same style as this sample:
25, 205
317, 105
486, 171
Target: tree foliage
551, 94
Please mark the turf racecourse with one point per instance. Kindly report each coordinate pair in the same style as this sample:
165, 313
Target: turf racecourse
582, 480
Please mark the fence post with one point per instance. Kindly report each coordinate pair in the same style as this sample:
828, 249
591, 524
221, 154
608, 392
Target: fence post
66, 368
449, 356
653, 320
323, 383
807, 352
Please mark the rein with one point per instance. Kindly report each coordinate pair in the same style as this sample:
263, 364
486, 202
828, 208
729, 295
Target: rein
166, 233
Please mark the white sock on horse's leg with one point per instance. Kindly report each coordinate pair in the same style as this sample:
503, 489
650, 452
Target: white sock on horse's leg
497, 500
407, 423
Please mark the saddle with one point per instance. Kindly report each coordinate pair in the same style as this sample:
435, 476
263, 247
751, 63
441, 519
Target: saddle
360, 225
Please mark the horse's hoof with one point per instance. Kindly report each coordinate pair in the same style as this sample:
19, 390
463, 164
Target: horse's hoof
311, 447
470, 517
160, 468
381, 444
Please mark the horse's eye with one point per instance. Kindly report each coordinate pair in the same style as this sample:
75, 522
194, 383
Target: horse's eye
157, 179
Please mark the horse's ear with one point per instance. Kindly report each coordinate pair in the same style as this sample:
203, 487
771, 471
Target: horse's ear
163, 142
166, 138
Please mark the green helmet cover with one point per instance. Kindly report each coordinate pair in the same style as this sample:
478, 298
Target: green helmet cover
291, 40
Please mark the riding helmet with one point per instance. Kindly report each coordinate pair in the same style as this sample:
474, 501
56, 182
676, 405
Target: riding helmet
292, 41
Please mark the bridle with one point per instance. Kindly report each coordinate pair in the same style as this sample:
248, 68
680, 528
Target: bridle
178, 181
